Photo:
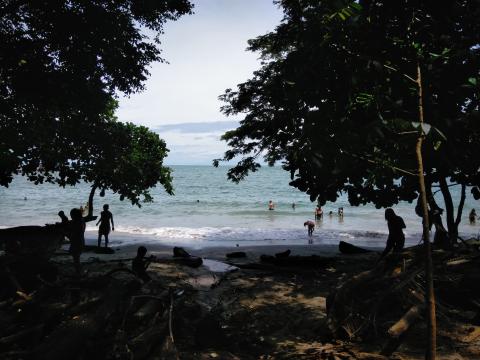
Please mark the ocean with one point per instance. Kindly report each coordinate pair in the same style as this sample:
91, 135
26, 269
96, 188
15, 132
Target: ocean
208, 210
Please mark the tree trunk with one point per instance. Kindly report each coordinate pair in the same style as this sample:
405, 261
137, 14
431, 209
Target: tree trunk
90, 216
451, 226
432, 322
460, 207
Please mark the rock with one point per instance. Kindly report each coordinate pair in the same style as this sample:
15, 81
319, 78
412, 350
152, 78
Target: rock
236, 255
283, 254
346, 248
180, 252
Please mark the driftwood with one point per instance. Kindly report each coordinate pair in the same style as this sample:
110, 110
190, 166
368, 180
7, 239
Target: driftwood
347, 248
193, 262
385, 303
283, 254
182, 257
38, 243
236, 255
180, 252
407, 320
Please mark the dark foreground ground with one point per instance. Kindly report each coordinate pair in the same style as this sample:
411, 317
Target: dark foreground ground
257, 311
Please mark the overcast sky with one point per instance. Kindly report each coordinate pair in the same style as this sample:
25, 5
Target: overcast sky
206, 55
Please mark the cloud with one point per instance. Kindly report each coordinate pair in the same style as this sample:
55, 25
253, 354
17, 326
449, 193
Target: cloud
195, 143
206, 55
202, 127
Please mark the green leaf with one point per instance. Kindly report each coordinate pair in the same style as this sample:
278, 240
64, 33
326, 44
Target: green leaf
356, 6
441, 134
472, 81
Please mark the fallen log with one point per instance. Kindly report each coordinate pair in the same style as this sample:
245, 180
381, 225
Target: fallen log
180, 252
182, 257
236, 255
398, 331
407, 320
193, 261
347, 248
37, 242
283, 254
72, 335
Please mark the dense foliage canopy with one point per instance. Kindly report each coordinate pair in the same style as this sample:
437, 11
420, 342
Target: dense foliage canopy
335, 99
62, 63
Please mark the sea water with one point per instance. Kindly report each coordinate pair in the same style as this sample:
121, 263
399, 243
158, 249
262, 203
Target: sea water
208, 210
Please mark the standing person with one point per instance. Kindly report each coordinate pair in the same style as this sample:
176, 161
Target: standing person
318, 212
106, 218
472, 216
293, 206
271, 205
340, 212
76, 234
396, 237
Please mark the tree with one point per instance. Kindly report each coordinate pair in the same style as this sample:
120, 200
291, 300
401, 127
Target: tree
64, 63
338, 96
129, 166
336, 101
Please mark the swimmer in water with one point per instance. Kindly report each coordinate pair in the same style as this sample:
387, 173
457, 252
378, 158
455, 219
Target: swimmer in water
271, 205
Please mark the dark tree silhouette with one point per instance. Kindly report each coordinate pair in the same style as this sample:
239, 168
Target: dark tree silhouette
62, 63
336, 101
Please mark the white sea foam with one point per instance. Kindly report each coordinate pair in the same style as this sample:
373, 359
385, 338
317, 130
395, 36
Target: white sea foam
227, 236
209, 210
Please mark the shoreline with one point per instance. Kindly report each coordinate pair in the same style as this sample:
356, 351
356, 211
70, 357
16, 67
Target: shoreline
214, 252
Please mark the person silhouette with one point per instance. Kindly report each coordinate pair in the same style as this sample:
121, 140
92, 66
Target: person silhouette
396, 237
472, 216
76, 234
64, 217
140, 264
106, 218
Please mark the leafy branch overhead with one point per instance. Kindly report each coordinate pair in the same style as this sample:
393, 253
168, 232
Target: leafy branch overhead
66, 63
336, 102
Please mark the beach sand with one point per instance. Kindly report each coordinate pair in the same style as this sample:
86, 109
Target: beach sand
210, 252
217, 311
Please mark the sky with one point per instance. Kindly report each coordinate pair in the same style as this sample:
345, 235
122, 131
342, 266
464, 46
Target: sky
206, 54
